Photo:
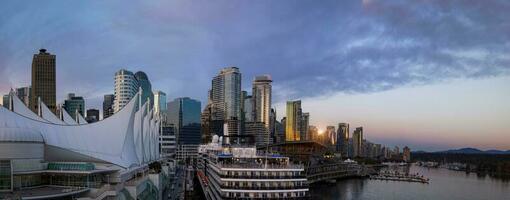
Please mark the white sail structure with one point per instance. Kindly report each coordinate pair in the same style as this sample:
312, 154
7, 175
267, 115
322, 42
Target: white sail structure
156, 138
111, 140
81, 119
151, 138
46, 114
145, 136
19, 107
67, 118
138, 131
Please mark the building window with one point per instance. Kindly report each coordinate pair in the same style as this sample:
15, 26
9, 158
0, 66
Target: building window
5, 175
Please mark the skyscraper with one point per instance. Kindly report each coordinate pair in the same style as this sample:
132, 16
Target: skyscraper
160, 106
342, 139
305, 123
23, 94
262, 99
108, 105
184, 114
126, 86
357, 142
226, 98
74, 104
43, 81
293, 121
145, 84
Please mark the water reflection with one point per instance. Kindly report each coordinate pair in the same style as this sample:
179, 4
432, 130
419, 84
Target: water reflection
445, 184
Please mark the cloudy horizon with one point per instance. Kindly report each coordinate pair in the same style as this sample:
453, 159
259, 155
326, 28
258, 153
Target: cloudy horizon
433, 75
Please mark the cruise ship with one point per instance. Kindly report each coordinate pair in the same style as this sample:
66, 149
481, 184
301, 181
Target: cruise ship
240, 172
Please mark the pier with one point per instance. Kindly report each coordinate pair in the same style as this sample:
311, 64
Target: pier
395, 176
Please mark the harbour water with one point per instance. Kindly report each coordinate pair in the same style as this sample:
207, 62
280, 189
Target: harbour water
444, 185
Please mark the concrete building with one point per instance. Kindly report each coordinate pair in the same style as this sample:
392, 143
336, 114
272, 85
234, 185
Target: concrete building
357, 142
293, 121
73, 105
108, 105
262, 99
126, 86
43, 81
92, 115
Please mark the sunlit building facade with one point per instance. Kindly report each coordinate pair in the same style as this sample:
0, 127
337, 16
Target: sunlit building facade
293, 121
262, 99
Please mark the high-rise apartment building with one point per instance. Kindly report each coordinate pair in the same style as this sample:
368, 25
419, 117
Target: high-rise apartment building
43, 81
126, 86
73, 105
262, 99
342, 139
108, 105
232, 92
293, 121
160, 106
357, 142
226, 98
23, 94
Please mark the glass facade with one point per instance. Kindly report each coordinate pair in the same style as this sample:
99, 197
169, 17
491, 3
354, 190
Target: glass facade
5, 175
184, 113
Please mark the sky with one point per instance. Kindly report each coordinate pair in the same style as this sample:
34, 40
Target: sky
432, 75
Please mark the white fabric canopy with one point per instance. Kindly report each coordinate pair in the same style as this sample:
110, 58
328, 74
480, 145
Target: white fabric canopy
112, 140
67, 118
48, 115
81, 119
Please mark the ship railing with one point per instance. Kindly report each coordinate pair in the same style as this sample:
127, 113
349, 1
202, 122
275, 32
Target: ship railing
263, 176
261, 166
265, 188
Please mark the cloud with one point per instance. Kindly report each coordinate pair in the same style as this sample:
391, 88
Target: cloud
309, 48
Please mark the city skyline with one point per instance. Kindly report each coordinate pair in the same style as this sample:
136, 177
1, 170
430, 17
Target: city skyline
421, 106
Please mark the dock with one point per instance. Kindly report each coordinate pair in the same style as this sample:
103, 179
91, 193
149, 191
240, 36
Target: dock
400, 177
